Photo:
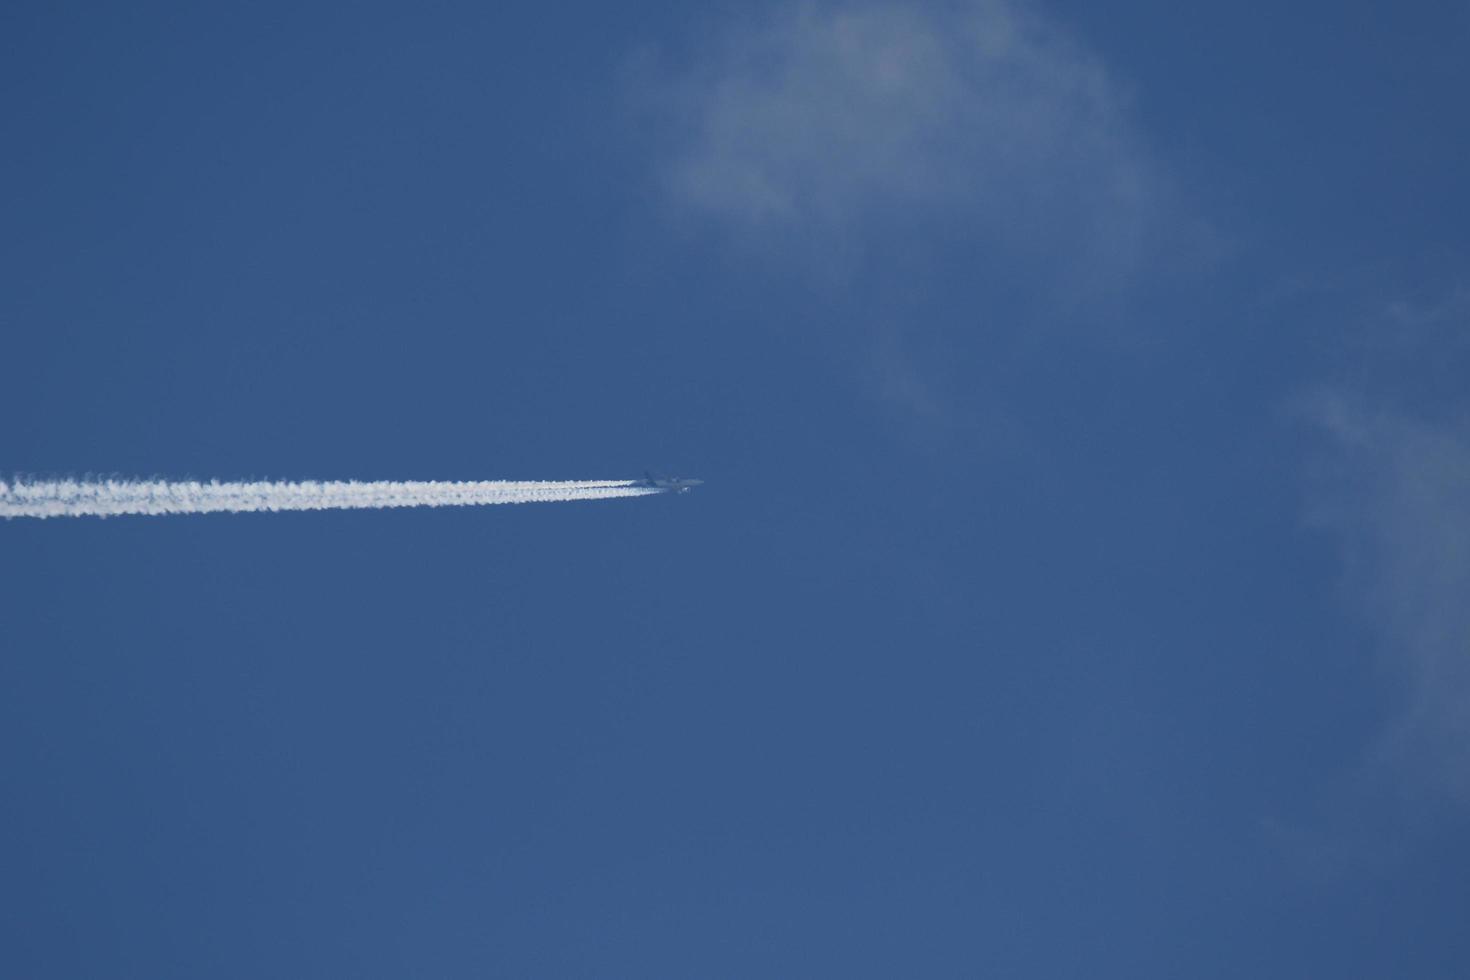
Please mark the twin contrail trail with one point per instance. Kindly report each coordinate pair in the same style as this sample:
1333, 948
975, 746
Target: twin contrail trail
108, 498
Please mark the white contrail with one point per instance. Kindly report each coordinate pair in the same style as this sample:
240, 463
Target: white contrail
107, 498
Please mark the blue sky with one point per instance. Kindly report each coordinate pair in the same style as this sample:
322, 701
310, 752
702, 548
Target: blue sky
1078, 584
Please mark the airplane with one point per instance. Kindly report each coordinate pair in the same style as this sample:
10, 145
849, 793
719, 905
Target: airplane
667, 484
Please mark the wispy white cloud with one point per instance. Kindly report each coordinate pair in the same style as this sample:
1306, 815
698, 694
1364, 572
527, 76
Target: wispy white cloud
833, 114
955, 174
1395, 492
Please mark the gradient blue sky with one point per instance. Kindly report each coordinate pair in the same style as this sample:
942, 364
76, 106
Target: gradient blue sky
1079, 587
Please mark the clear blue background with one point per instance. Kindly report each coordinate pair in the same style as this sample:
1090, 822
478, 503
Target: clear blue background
880, 699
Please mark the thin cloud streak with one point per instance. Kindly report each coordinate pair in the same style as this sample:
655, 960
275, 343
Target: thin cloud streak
109, 498
1395, 492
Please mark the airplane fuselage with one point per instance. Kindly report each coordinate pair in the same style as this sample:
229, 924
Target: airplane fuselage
668, 484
